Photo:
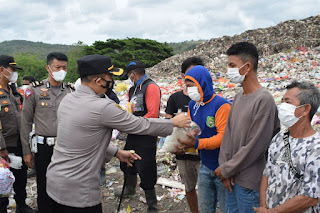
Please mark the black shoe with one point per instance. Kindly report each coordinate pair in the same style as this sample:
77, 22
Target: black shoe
130, 188
151, 201
25, 209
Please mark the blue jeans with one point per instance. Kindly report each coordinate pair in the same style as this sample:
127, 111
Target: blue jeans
210, 191
241, 200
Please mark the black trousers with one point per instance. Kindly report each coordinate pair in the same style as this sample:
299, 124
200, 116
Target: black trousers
58, 208
146, 147
42, 161
20, 183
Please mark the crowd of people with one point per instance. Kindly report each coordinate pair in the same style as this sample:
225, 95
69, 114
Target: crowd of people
242, 161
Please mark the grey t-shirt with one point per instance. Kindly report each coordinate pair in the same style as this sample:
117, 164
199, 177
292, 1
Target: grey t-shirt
252, 122
282, 184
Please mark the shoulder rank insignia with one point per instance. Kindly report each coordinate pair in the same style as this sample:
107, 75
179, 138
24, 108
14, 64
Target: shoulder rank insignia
70, 85
28, 92
37, 83
120, 107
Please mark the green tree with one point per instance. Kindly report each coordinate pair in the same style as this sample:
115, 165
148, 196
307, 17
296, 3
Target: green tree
74, 54
31, 65
122, 51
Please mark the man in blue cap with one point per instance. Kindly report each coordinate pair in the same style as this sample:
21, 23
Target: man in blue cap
144, 98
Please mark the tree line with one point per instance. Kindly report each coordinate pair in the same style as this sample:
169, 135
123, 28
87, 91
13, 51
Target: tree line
122, 51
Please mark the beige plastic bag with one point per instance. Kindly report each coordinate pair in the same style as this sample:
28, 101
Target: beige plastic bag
172, 140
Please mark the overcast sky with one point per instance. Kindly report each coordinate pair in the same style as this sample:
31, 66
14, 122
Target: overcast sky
70, 21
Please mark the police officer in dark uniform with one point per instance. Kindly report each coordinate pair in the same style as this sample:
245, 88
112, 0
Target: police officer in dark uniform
40, 107
10, 115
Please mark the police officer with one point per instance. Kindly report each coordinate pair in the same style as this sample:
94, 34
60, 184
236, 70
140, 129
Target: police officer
40, 107
10, 126
86, 120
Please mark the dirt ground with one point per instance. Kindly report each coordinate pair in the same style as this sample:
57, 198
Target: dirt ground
166, 202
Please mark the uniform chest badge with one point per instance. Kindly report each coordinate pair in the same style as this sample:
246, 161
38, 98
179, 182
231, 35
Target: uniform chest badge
43, 103
44, 89
210, 122
44, 94
4, 102
6, 109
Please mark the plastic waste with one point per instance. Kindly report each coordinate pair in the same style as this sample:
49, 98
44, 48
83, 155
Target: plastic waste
172, 140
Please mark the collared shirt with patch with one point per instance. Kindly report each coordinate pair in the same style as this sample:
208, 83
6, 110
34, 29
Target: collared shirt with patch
40, 107
10, 117
282, 184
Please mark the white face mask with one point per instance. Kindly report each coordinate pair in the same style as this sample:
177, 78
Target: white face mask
286, 114
234, 74
59, 76
13, 76
24, 87
193, 93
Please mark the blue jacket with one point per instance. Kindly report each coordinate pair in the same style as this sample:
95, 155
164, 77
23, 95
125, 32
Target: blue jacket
210, 113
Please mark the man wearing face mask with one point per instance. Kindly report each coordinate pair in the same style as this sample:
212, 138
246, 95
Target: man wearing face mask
188, 164
86, 120
252, 123
210, 112
144, 98
40, 107
290, 181
10, 129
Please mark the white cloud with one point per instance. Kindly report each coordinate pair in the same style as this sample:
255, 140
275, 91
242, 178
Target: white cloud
67, 22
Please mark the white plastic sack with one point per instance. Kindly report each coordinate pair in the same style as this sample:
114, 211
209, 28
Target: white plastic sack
6, 179
171, 140
15, 161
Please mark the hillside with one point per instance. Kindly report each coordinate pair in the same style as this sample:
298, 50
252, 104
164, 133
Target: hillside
284, 37
180, 47
38, 48
42, 49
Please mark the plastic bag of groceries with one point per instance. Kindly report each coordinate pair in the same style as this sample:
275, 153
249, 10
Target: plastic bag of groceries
6, 179
171, 140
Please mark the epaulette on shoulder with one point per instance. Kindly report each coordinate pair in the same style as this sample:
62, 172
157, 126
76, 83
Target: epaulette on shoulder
37, 83
70, 85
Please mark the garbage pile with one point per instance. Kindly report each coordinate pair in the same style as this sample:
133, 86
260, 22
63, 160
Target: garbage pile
284, 37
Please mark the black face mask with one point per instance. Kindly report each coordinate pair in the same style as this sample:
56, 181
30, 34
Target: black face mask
109, 84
